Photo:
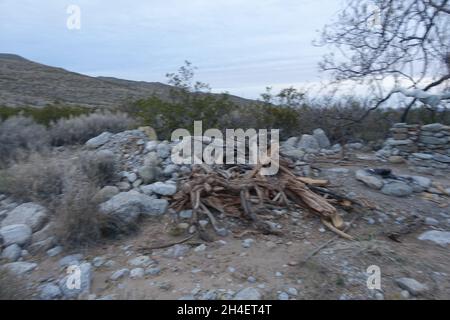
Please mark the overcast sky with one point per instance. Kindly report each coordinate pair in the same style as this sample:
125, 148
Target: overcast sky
238, 46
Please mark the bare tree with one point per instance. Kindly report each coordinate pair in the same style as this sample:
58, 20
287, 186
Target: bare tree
404, 41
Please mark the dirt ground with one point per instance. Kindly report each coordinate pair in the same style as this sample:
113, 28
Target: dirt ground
275, 264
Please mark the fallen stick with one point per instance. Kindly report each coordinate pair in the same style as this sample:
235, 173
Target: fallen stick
326, 243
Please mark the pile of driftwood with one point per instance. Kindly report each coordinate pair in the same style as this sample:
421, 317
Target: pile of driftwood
242, 191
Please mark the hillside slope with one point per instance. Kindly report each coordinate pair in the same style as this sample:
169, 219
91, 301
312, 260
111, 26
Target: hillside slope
27, 83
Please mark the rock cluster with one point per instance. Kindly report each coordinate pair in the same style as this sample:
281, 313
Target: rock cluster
398, 186
426, 148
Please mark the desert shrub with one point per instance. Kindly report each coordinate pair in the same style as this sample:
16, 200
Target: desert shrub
18, 137
13, 287
166, 116
39, 178
78, 221
44, 115
75, 130
99, 167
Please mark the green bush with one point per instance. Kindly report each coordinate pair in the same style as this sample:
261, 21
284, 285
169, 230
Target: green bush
45, 115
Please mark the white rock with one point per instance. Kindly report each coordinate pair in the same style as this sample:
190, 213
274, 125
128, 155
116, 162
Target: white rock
31, 214
15, 234
439, 237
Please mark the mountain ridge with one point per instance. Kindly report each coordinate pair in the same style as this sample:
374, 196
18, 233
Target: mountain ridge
27, 83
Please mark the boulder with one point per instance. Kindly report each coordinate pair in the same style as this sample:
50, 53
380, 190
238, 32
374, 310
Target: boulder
397, 189
105, 194
128, 206
413, 286
31, 214
99, 140
368, 179
308, 141
19, 234
291, 142
321, 138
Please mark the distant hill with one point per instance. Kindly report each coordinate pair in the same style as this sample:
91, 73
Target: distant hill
27, 83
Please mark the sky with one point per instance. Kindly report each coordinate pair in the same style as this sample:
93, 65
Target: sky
238, 46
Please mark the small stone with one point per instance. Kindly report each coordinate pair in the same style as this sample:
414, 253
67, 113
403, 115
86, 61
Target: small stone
283, 296
163, 188
368, 179
70, 291
137, 273
132, 177
144, 261
177, 251
185, 214
119, 274
54, 251
251, 279
398, 189
200, 248
72, 259
98, 261
292, 291
379, 296
12, 253
278, 274
248, 294
203, 223
154, 271
431, 221
247, 243
405, 294
50, 291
